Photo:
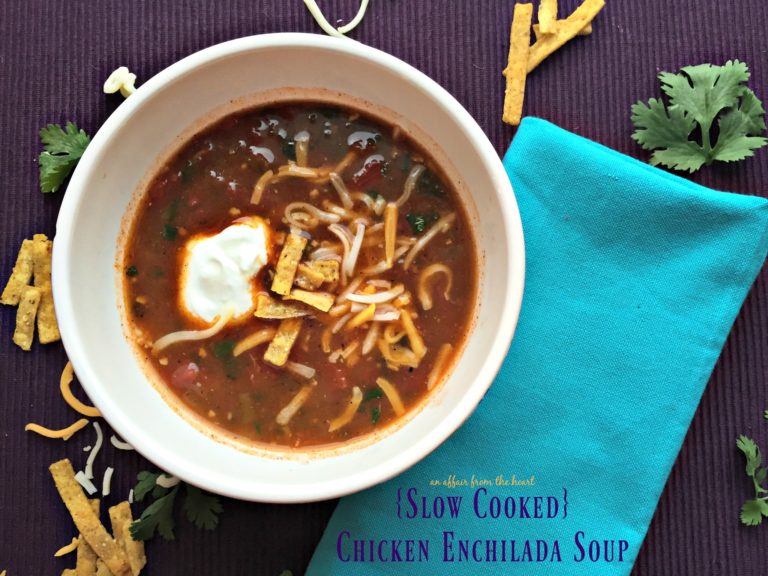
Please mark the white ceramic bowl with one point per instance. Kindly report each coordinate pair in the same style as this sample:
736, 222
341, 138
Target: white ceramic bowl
125, 151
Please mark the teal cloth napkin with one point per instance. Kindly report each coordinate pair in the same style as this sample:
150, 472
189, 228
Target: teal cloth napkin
634, 277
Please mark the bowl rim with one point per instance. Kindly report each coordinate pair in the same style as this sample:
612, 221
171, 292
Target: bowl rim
251, 489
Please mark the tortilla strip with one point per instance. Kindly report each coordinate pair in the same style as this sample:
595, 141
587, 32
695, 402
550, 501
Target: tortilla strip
86, 557
41, 258
86, 520
328, 268
519, 46
101, 569
270, 309
565, 30
121, 518
65, 572
586, 31
308, 278
25, 318
47, 326
287, 264
547, 15
323, 301
20, 277
280, 347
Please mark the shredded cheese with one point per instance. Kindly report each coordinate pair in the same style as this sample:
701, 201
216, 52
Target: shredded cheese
437, 367
349, 412
120, 444
130, 496
71, 547
290, 409
186, 335
85, 483
106, 482
65, 384
365, 315
64, 433
121, 79
94, 452
392, 395
167, 481
326, 26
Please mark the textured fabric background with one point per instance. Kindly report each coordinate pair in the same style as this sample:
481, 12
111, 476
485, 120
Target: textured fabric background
54, 57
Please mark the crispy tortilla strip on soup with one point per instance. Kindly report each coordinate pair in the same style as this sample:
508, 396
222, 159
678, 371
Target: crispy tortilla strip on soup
318, 263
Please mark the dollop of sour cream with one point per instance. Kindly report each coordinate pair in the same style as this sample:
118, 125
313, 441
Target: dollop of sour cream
218, 270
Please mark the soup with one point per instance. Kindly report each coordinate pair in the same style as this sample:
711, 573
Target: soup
300, 274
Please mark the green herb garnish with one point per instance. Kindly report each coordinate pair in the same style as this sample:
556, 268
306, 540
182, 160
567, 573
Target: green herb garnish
201, 509
223, 350
62, 150
373, 194
289, 149
430, 184
405, 163
187, 172
700, 97
752, 511
131, 271
373, 394
419, 222
375, 414
170, 232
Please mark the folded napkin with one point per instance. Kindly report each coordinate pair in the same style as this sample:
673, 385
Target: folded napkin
634, 277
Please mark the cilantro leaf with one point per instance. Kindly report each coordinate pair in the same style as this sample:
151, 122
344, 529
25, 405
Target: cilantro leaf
752, 512
419, 222
752, 453
701, 98
147, 481
157, 517
62, 149
704, 90
202, 509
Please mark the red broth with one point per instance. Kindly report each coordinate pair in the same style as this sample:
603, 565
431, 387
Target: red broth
209, 184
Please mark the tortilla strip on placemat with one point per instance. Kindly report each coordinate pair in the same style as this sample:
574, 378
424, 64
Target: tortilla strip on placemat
47, 327
517, 62
101, 569
86, 557
121, 518
565, 30
41, 257
20, 277
86, 520
25, 318
66, 572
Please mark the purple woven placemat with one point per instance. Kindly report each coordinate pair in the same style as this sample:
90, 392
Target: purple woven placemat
54, 57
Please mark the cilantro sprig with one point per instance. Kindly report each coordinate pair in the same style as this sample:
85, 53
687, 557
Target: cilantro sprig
201, 509
62, 150
752, 511
712, 116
